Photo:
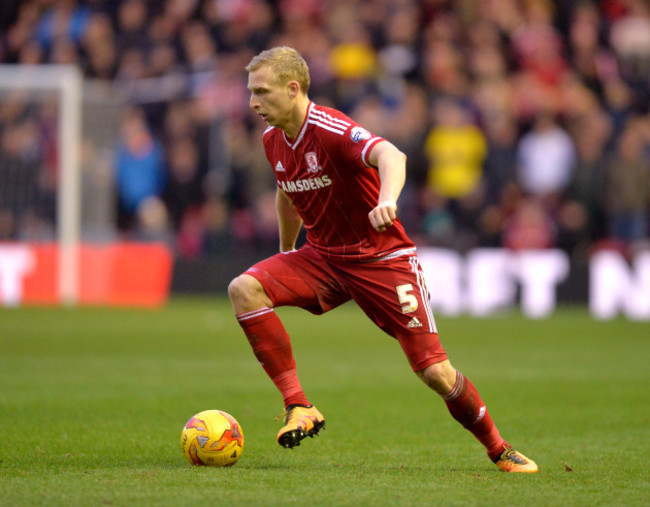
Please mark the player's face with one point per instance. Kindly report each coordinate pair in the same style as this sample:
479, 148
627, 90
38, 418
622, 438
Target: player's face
269, 98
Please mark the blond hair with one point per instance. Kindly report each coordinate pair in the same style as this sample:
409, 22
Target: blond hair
286, 63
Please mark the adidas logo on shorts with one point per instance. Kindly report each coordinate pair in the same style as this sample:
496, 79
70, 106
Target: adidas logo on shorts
414, 322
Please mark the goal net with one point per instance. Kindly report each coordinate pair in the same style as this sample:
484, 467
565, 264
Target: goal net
47, 182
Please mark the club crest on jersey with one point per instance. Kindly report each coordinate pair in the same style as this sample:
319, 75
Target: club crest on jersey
359, 134
312, 162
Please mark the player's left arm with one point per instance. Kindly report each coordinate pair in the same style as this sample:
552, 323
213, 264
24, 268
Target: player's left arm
391, 165
289, 221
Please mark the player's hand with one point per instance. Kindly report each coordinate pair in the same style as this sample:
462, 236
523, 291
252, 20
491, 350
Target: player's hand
383, 215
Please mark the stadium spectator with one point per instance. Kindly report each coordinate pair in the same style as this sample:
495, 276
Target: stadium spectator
65, 19
139, 166
538, 45
591, 135
627, 176
630, 38
594, 63
500, 164
456, 149
184, 188
530, 227
545, 159
31, 53
21, 32
218, 238
399, 48
132, 25
152, 223
99, 47
20, 189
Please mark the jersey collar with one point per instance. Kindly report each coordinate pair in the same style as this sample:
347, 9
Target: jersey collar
293, 145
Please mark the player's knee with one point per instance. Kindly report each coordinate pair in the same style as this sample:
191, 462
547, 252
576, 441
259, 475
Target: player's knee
440, 377
246, 294
240, 289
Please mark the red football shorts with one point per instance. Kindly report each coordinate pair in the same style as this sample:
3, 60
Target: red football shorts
391, 292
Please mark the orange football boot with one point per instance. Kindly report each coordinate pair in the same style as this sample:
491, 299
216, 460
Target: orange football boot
300, 422
513, 461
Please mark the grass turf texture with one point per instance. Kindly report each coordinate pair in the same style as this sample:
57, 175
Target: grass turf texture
92, 402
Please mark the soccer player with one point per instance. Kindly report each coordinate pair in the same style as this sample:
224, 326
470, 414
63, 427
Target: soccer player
341, 183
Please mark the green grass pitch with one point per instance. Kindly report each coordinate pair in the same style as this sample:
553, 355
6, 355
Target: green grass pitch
92, 402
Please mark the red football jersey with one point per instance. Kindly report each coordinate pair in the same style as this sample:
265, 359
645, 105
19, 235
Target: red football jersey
326, 173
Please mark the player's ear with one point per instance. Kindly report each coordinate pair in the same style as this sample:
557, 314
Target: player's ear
293, 88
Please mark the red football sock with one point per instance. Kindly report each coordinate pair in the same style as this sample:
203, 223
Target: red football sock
272, 347
466, 406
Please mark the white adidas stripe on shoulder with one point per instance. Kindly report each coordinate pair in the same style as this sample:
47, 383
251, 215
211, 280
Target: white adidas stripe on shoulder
339, 131
329, 121
321, 115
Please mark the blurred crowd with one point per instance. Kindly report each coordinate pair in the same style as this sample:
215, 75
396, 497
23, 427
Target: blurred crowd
526, 122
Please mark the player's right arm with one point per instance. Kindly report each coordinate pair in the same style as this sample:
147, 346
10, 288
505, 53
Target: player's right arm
391, 165
289, 221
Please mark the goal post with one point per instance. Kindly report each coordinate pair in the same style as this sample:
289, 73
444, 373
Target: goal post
67, 81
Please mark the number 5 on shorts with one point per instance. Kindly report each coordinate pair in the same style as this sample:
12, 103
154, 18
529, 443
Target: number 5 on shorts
408, 301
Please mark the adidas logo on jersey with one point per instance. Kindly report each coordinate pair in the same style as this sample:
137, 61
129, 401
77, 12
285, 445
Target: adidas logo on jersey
279, 167
414, 322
